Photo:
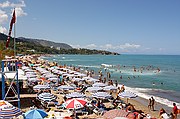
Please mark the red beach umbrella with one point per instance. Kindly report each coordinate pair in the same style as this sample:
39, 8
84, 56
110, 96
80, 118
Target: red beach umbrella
75, 103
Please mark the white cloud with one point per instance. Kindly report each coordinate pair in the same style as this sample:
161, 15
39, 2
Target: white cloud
75, 46
91, 46
5, 4
3, 17
20, 12
129, 46
3, 30
21, 4
14, 5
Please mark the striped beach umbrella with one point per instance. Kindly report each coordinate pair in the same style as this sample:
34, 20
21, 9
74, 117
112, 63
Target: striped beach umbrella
101, 95
75, 95
108, 88
46, 97
41, 87
9, 112
127, 95
4, 104
99, 84
94, 89
65, 87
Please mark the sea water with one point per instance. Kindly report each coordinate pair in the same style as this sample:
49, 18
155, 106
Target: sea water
145, 75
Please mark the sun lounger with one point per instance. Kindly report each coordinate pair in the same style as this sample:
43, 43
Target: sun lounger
97, 111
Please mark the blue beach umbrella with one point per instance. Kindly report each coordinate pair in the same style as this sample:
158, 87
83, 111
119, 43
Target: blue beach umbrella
35, 114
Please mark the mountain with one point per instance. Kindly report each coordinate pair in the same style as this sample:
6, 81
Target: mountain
47, 43
39, 42
37, 46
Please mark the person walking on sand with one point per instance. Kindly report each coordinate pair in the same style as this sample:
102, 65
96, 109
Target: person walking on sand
175, 110
149, 104
152, 103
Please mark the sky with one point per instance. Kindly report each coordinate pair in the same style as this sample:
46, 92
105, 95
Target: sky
123, 26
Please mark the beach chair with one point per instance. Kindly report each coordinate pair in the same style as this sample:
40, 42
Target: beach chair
50, 104
97, 111
60, 106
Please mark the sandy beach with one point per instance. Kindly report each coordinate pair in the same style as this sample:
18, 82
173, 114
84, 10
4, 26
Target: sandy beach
27, 99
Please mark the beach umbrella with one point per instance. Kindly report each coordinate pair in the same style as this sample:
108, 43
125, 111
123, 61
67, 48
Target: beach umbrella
94, 89
41, 87
7, 110
4, 103
65, 87
115, 113
28, 70
51, 76
35, 114
108, 88
127, 95
53, 79
101, 95
10, 112
75, 95
99, 85
92, 80
31, 75
77, 79
33, 80
46, 97
75, 103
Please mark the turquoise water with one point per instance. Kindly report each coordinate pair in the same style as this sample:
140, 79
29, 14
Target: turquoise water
146, 75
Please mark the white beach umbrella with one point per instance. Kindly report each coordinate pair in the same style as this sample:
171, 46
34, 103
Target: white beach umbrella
41, 87
34, 80
31, 76
94, 89
75, 95
77, 79
92, 80
99, 85
53, 79
108, 88
127, 94
101, 95
65, 87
